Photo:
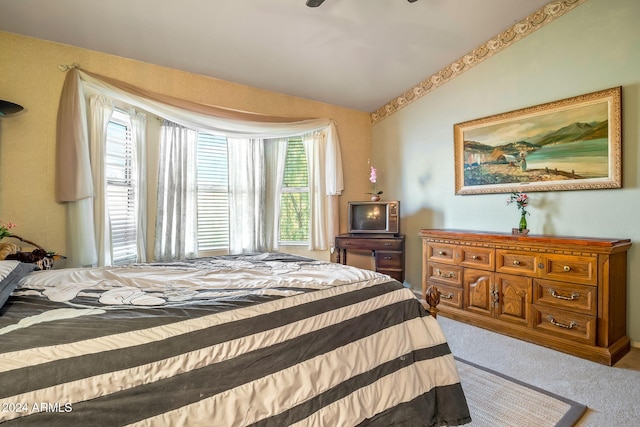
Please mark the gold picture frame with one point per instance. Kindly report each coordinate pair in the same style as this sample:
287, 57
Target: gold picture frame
571, 144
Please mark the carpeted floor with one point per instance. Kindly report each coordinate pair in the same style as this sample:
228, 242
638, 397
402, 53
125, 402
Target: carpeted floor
498, 401
611, 394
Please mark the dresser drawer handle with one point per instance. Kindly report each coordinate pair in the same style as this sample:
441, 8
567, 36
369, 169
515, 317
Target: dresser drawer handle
516, 262
441, 252
449, 275
475, 257
388, 244
566, 268
574, 295
448, 296
560, 325
387, 257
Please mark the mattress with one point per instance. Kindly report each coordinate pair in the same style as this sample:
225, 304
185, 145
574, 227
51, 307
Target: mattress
253, 340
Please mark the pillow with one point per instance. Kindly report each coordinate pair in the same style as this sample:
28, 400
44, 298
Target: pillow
10, 274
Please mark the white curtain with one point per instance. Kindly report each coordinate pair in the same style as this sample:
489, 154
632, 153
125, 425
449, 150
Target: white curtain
81, 237
275, 157
247, 196
176, 220
100, 112
138, 139
315, 150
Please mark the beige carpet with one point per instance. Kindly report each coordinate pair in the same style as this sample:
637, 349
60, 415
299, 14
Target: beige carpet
496, 400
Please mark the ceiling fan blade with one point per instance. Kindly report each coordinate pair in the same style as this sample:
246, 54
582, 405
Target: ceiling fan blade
315, 3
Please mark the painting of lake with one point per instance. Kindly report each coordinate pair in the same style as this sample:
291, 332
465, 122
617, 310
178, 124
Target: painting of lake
569, 144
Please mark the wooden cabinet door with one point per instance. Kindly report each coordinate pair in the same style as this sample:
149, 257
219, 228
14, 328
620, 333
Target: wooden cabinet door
478, 291
514, 299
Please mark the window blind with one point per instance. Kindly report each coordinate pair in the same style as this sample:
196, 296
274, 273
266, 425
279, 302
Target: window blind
213, 192
121, 189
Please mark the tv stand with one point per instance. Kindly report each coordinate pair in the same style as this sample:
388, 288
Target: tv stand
388, 250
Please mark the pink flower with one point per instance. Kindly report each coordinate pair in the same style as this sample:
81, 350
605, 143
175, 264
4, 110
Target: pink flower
521, 200
374, 175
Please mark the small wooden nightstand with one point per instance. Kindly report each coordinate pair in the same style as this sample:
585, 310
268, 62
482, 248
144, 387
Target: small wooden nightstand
388, 251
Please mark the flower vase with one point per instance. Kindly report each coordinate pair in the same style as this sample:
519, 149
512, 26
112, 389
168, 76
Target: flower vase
523, 222
375, 198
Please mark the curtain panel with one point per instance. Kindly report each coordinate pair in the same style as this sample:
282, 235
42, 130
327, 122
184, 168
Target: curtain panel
100, 112
176, 217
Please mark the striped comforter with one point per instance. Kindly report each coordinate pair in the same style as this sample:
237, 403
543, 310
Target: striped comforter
259, 340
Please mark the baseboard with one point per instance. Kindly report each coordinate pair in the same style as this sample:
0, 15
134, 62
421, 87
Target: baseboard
635, 344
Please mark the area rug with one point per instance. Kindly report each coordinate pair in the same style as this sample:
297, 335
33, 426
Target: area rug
496, 400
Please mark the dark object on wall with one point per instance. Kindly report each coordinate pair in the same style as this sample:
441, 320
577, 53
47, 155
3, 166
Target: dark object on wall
7, 108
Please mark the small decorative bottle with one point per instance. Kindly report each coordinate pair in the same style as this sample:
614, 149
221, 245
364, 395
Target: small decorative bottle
523, 222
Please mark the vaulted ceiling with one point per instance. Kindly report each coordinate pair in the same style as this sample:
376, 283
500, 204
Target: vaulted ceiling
358, 54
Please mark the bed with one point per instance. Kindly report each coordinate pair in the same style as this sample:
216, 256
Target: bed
260, 340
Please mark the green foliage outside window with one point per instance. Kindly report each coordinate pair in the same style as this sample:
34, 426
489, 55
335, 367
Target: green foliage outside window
294, 202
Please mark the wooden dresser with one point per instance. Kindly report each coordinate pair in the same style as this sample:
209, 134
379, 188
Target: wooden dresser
388, 251
566, 293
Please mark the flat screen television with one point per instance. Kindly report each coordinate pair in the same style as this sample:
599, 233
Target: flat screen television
374, 217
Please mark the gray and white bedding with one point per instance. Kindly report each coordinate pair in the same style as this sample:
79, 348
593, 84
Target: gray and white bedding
252, 340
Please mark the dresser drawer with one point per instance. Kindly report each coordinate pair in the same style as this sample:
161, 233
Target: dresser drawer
386, 259
566, 324
442, 253
449, 295
520, 263
570, 268
442, 273
480, 258
566, 296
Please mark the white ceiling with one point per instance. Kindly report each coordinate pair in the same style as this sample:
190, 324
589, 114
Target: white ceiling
353, 53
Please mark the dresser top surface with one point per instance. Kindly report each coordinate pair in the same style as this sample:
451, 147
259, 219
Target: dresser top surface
605, 243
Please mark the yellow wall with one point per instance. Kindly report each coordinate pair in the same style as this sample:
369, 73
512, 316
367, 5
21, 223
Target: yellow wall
29, 76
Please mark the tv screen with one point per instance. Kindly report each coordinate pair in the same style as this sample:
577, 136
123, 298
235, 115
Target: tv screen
369, 217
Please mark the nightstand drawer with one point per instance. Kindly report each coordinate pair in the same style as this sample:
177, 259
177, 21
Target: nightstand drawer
361, 243
577, 327
395, 273
386, 259
447, 274
566, 296
520, 263
570, 268
442, 253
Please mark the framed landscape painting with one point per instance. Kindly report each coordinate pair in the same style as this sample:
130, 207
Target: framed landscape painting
571, 144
